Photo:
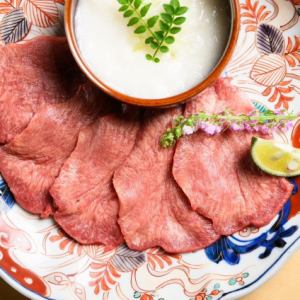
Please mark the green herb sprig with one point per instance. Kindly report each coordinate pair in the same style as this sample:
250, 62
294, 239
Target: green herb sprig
161, 28
264, 122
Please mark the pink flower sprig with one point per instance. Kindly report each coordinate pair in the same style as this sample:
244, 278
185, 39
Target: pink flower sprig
265, 122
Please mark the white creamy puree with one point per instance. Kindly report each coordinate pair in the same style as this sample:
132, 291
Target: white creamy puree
117, 56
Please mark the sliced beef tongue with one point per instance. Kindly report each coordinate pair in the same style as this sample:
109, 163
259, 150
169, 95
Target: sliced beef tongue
32, 160
86, 202
153, 209
230, 96
219, 97
217, 174
41, 70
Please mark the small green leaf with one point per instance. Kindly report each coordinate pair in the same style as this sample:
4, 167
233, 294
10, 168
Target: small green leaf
152, 21
164, 49
190, 122
136, 11
179, 20
178, 132
169, 9
128, 13
169, 40
164, 26
175, 30
123, 8
181, 10
123, 2
149, 40
175, 4
159, 35
133, 21
145, 9
137, 3
167, 18
154, 45
140, 29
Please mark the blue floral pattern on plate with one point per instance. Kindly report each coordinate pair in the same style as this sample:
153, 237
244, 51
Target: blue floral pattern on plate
231, 248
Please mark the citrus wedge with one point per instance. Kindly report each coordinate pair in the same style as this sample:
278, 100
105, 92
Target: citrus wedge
276, 158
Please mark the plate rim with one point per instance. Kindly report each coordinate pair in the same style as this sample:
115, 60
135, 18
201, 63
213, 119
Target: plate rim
265, 275
269, 273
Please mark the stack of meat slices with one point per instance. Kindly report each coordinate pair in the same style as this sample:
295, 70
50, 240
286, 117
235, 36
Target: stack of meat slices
222, 183
69, 152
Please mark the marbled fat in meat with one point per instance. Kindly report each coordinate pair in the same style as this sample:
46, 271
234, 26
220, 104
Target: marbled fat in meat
39, 71
217, 173
153, 209
31, 161
86, 203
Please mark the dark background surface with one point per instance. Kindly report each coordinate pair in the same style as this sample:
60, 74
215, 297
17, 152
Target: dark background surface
8, 293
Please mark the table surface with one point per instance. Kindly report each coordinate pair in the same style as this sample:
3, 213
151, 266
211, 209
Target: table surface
284, 285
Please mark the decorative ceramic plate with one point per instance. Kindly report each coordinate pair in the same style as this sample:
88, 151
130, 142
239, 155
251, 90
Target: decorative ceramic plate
37, 259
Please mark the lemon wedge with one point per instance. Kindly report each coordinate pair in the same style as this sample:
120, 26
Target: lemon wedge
276, 158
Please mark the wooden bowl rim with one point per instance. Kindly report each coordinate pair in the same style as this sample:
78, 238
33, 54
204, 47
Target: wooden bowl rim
163, 102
